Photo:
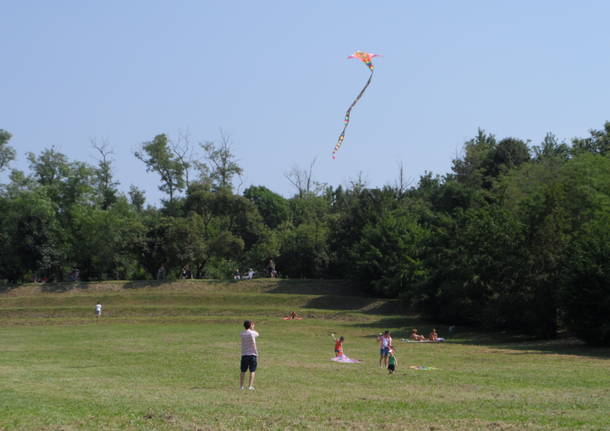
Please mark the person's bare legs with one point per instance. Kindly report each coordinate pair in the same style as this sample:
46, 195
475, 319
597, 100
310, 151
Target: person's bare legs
251, 380
241, 380
380, 360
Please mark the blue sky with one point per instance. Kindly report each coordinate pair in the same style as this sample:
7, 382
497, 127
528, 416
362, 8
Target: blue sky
274, 76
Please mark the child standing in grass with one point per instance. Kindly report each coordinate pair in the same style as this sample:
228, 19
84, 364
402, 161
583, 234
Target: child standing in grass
338, 345
392, 361
98, 310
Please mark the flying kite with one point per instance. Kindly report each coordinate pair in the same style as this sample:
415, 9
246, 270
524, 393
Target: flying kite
366, 58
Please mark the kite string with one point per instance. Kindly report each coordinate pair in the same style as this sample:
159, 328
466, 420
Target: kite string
348, 113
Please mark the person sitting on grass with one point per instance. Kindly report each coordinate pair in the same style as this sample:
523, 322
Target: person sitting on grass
433, 335
392, 361
415, 336
338, 345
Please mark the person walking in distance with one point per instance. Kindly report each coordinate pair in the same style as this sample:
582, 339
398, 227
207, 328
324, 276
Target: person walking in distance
98, 310
249, 354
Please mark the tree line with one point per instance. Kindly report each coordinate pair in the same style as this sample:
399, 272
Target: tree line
515, 237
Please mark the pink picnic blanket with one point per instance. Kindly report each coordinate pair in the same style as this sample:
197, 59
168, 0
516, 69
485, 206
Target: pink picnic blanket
345, 360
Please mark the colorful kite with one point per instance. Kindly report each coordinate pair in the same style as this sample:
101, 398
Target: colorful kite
366, 58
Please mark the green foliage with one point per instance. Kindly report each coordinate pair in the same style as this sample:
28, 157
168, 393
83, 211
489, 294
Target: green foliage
303, 250
388, 254
586, 293
274, 209
597, 143
158, 157
221, 167
512, 239
220, 268
32, 240
102, 243
7, 153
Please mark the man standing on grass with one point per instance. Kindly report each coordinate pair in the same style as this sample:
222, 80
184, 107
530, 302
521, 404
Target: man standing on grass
248, 354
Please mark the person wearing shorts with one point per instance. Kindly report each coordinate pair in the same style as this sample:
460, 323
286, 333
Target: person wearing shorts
385, 341
98, 310
249, 354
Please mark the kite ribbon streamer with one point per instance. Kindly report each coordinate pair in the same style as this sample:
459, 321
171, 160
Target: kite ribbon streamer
349, 111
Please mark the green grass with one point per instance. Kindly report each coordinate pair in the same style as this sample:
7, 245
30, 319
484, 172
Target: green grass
165, 357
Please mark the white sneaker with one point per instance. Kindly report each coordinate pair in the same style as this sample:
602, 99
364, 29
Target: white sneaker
242, 388
251, 388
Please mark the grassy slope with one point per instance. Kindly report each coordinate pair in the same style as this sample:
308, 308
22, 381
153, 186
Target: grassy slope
164, 357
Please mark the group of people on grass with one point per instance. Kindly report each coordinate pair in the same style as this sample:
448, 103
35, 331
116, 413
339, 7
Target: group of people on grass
387, 351
249, 351
432, 337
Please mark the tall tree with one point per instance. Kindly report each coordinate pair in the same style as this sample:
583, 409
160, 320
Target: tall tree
220, 162
65, 182
106, 185
159, 157
7, 153
597, 143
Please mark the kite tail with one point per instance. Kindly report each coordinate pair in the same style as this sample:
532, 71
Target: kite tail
348, 113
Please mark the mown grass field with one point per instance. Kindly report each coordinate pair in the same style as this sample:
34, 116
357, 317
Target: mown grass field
165, 357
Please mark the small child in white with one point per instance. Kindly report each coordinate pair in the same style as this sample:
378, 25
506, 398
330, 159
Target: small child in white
98, 310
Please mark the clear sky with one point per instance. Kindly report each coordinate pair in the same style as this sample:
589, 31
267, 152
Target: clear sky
274, 76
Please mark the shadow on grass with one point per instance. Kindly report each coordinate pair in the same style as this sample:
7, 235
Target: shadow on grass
317, 287
400, 326
526, 344
139, 284
5, 288
60, 287
341, 295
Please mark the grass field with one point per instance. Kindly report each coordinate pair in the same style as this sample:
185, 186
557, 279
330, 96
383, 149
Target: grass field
166, 357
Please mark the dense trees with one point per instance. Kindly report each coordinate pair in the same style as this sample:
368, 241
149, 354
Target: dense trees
515, 237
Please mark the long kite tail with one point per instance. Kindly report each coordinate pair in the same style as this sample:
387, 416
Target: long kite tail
348, 113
